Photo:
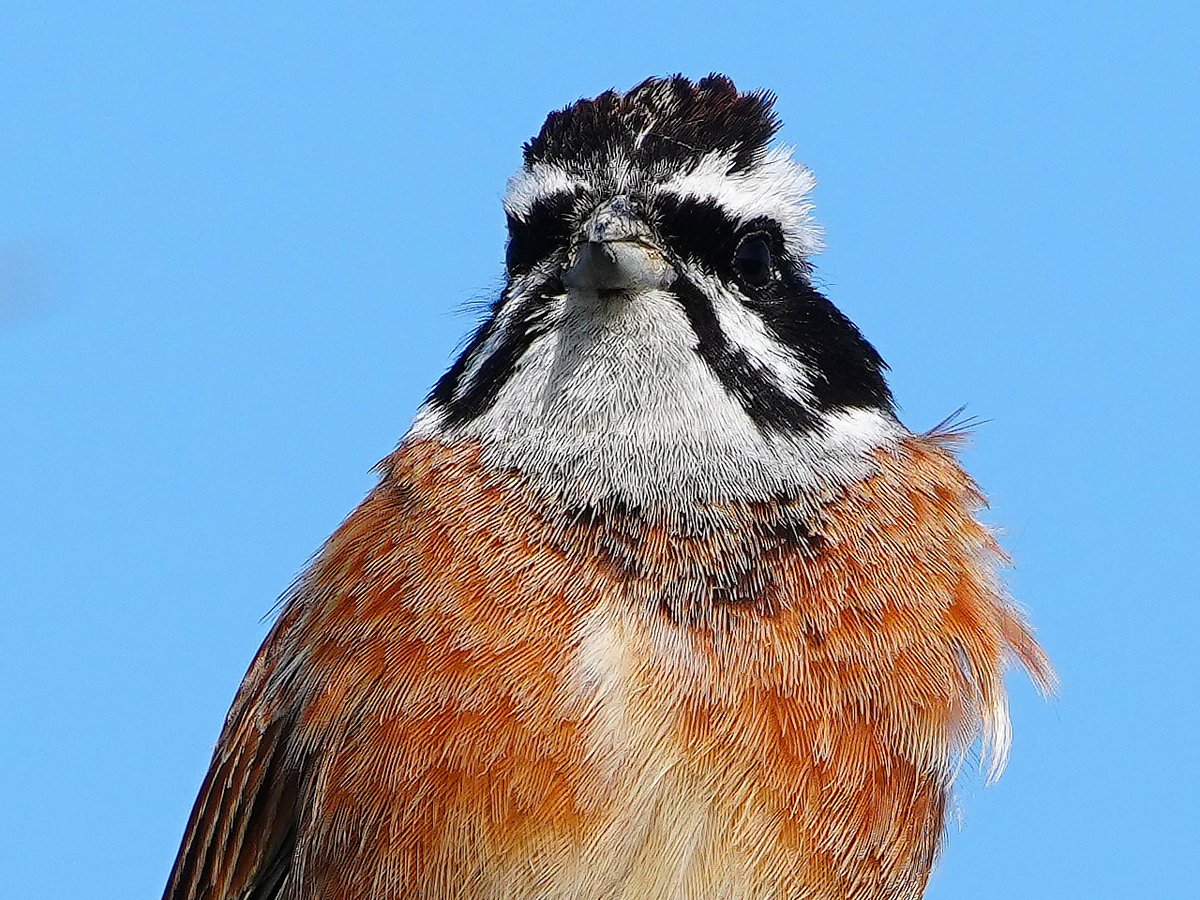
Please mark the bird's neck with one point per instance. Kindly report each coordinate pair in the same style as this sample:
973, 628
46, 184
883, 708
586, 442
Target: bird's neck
623, 409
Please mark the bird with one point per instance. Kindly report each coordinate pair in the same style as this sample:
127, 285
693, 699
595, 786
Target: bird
656, 598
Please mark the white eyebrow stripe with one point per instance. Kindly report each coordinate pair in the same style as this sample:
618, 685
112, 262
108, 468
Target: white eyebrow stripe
529, 185
776, 187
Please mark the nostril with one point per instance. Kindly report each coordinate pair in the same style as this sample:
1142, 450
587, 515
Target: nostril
622, 206
616, 219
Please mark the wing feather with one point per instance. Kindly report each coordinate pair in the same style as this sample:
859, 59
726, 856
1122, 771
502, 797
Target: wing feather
240, 836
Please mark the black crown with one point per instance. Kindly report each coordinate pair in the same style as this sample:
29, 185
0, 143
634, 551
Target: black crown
669, 120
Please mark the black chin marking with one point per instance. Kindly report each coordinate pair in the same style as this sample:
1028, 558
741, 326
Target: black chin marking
541, 231
845, 371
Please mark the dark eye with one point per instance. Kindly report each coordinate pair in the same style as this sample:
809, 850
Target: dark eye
752, 259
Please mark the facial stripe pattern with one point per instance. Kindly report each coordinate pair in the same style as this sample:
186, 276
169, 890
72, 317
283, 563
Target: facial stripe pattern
472, 384
695, 162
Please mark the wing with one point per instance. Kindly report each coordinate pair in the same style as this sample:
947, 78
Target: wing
245, 828
242, 831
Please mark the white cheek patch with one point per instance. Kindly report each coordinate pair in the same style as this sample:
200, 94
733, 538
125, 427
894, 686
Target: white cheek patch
747, 332
538, 182
777, 187
471, 372
501, 331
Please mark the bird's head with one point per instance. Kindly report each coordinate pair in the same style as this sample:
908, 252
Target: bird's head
658, 298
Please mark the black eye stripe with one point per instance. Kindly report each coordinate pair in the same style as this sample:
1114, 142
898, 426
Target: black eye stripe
537, 233
702, 230
695, 228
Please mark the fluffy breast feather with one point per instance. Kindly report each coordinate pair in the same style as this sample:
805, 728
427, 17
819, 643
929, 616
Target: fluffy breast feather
487, 699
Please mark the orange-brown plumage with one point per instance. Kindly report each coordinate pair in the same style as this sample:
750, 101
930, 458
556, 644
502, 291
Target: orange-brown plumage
657, 598
473, 687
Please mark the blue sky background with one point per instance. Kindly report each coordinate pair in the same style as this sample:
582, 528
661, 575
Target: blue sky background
235, 249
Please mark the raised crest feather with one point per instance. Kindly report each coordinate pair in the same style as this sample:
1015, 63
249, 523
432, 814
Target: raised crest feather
670, 121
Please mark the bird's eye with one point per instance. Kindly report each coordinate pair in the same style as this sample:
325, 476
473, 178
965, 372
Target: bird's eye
753, 261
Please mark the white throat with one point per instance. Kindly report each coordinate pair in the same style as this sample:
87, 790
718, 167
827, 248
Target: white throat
613, 402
